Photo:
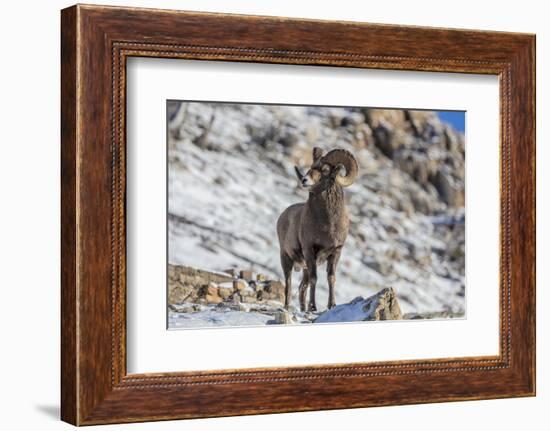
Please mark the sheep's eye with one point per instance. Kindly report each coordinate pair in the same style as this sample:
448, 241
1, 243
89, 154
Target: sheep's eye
325, 169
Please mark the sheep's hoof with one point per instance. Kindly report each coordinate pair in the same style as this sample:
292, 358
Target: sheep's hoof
331, 305
312, 308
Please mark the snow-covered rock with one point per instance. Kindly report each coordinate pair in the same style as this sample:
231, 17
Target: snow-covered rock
381, 306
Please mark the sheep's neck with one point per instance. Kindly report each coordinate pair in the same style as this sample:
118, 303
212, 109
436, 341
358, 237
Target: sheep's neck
327, 204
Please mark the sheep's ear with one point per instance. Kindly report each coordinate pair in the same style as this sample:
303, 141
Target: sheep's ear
317, 153
326, 169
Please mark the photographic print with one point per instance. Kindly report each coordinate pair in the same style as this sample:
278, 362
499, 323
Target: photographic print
288, 214
298, 205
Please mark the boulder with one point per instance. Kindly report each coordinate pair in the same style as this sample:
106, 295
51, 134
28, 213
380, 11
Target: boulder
281, 317
184, 308
225, 292
274, 290
179, 293
210, 293
246, 274
213, 299
380, 306
188, 284
249, 298
239, 285
384, 139
231, 271
450, 189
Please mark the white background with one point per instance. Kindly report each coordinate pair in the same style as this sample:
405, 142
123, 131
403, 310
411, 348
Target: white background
29, 224
151, 348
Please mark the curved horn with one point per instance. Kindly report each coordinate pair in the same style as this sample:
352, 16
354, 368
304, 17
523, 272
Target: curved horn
346, 159
298, 173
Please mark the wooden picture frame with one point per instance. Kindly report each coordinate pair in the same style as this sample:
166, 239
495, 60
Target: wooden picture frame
95, 43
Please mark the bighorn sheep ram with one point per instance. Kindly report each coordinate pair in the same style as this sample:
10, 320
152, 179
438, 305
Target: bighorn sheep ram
313, 232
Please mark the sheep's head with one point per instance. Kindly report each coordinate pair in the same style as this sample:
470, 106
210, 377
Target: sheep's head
328, 168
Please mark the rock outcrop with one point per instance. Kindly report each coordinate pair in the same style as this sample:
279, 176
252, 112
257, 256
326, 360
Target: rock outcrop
381, 306
228, 299
188, 285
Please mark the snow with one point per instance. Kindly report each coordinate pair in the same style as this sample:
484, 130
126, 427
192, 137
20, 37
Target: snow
351, 312
214, 317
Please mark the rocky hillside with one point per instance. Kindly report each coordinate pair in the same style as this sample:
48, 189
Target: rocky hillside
231, 175
199, 298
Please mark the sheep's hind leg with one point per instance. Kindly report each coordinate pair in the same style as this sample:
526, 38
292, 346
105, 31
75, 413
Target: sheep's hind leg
303, 290
287, 265
332, 261
311, 263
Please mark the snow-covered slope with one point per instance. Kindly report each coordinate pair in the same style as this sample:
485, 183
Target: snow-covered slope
231, 175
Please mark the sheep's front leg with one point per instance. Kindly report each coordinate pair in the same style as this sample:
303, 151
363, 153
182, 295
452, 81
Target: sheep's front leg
332, 261
287, 264
311, 263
